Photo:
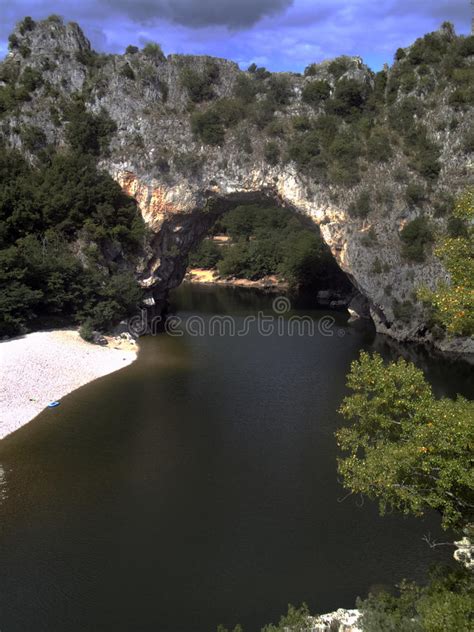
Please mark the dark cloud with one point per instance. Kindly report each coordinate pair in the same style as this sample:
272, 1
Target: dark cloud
200, 13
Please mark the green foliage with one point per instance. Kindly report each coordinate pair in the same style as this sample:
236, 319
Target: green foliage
295, 620
31, 79
42, 212
272, 153
33, 138
27, 24
453, 302
245, 89
262, 112
131, 50
153, 51
208, 126
127, 72
272, 241
361, 207
415, 193
378, 146
200, 85
206, 255
343, 153
87, 132
339, 66
315, 92
415, 236
349, 99
406, 448
279, 89
445, 603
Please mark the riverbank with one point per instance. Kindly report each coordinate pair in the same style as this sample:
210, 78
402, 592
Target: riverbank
211, 277
47, 365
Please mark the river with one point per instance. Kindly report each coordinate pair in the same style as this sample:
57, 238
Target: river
198, 486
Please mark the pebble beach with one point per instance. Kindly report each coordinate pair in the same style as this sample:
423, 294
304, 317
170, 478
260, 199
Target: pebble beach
44, 366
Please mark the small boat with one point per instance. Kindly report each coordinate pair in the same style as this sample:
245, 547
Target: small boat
53, 404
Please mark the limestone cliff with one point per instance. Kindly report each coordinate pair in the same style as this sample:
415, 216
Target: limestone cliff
185, 170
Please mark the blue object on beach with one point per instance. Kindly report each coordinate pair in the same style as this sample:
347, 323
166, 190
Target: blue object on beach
53, 404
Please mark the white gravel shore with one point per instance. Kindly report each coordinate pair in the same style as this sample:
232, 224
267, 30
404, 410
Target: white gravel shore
47, 365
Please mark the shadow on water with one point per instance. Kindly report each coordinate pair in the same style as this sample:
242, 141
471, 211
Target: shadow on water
199, 486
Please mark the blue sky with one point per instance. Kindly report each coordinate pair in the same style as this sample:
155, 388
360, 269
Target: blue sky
278, 34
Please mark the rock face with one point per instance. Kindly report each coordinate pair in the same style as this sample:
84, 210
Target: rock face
182, 185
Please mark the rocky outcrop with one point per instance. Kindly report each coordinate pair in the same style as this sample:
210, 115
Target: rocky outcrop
182, 185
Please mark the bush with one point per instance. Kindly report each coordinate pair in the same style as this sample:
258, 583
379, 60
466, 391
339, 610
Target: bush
33, 138
208, 126
27, 24
131, 50
315, 92
154, 51
361, 207
245, 89
378, 146
87, 132
272, 153
339, 66
200, 85
415, 193
350, 97
279, 89
415, 235
127, 72
206, 255
42, 212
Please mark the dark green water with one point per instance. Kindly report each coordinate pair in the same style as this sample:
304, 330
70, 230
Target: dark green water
198, 487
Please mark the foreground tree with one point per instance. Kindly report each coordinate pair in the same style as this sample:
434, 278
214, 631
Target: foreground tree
405, 448
453, 302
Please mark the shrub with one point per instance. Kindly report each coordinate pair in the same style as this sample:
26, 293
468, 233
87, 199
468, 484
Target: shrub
13, 41
87, 132
33, 138
127, 72
131, 50
245, 89
415, 193
337, 67
86, 331
378, 146
272, 153
31, 79
315, 92
230, 111
27, 24
206, 255
361, 207
154, 51
208, 127
279, 89
349, 97
262, 112
415, 235
200, 85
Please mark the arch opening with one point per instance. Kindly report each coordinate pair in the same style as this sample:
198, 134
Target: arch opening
181, 233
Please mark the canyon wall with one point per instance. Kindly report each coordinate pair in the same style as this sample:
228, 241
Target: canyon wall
182, 180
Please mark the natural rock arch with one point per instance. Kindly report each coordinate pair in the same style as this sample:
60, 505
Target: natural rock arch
176, 230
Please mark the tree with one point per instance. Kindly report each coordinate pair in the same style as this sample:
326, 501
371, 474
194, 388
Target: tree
415, 235
405, 448
153, 51
453, 301
314, 92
